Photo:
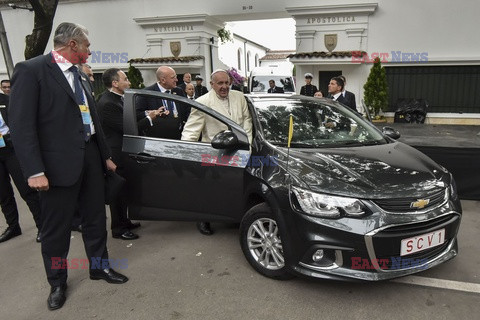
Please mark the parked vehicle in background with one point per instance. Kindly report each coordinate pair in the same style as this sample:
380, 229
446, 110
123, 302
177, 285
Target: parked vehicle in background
259, 77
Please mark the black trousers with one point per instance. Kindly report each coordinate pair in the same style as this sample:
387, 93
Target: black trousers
10, 167
118, 210
58, 207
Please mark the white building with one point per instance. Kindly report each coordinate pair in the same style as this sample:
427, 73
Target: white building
430, 48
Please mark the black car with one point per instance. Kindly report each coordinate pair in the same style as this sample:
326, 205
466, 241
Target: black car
345, 201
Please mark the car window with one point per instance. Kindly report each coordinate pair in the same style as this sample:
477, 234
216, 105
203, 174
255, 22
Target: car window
315, 124
260, 83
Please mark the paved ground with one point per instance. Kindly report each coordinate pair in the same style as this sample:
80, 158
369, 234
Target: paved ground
176, 273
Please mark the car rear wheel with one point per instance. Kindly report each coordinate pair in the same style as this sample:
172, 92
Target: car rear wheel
261, 242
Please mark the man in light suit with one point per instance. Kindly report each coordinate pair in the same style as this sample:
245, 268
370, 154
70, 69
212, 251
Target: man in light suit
60, 145
229, 103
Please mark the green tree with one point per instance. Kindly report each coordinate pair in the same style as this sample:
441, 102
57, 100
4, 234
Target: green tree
224, 35
376, 89
135, 77
36, 42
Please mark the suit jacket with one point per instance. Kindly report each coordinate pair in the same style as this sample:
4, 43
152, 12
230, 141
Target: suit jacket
4, 111
110, 111
308, 90
152, 103
164, 127
276, 90
46, 124
350, 100
199, 124
200, 91
237, 87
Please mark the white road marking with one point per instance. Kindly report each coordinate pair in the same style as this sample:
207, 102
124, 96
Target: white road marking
440, 283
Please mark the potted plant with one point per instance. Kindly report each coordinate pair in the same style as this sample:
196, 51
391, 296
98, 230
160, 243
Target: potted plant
376, 91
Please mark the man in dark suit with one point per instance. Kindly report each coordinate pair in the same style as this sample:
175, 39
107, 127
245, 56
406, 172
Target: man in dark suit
171, 126
273, 88
200, 89
9, 167
349, 96
187, 78
61, 148
335, 89
110, 111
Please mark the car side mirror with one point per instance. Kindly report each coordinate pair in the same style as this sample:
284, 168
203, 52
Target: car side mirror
225, 140
390, 132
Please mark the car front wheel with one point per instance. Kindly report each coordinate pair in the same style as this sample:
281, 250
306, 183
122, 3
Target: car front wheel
261, 242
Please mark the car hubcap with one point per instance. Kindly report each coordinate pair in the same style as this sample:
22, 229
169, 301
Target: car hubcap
265, 244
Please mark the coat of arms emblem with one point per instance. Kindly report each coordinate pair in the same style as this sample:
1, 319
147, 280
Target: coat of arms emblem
175, 47
330, 42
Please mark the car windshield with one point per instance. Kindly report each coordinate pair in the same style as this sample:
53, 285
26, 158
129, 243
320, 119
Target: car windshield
317, 123
260, 83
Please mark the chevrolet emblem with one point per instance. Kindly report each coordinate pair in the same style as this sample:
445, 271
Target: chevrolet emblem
420, 203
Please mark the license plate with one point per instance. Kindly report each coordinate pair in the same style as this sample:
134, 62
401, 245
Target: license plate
422, 242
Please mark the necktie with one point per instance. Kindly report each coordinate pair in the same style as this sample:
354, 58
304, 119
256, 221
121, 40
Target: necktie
169, 104
80, 98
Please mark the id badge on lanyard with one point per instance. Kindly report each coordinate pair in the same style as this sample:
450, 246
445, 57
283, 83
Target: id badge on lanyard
86, 118
2, 141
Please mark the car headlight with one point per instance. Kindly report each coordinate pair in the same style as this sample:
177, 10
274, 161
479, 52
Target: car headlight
328, 206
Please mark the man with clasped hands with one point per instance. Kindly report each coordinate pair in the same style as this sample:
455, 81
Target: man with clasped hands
60, 145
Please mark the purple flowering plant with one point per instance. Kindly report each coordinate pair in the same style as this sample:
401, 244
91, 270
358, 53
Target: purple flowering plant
237, 78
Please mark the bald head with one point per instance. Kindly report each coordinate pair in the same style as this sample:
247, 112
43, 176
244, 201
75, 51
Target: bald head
167, 77
190, 89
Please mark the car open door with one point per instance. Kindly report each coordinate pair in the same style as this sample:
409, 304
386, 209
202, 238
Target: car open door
180, 180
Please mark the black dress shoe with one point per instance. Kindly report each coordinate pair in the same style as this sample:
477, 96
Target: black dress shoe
77, 228
133, 225
109, 275
39, 237
204, 228
127, 235
57, 297
10, 233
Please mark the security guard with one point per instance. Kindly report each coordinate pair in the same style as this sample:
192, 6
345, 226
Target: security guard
308, 89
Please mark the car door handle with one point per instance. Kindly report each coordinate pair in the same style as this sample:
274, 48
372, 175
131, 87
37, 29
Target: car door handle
142, 157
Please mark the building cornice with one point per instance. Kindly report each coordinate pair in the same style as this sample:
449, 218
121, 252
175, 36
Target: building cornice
359, 8
179, 19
